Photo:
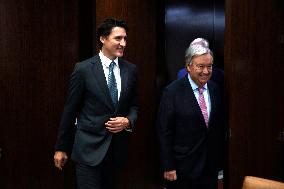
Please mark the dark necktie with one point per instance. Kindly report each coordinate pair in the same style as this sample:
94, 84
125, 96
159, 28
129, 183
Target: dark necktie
112, 84
202, 105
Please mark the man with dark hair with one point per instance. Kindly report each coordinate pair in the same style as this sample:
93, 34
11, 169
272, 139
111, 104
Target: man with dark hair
103, 97
190, 124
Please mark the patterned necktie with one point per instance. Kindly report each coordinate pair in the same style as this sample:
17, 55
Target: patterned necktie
112, 84
202, 105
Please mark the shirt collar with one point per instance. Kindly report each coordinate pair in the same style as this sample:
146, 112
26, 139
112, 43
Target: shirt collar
193, 84
106, 61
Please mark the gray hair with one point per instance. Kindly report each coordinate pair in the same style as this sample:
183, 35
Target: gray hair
198, 46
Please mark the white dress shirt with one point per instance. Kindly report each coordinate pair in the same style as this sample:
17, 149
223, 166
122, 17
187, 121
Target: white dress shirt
205, 94
105, 63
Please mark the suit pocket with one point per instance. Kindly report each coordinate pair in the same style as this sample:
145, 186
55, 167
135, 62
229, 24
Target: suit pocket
181, 151
95, 129
97, 125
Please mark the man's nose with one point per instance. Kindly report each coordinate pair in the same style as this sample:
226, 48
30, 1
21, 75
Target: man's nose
123, 42
206, 70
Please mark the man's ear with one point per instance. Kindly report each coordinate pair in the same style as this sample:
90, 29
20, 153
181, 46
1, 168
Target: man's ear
102, 39
187, 67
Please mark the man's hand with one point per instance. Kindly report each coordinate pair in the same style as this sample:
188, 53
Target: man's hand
60, 158
170, 175
117, 124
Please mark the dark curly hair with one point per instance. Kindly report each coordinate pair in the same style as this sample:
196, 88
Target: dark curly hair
106, 26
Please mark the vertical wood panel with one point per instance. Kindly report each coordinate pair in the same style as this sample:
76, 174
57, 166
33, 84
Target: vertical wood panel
140, 50
38, 47
252, 74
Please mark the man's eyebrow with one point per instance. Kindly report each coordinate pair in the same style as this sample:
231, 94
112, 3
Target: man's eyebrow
120, 36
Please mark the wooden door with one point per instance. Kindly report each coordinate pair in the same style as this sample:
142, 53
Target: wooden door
254, 68
38, 48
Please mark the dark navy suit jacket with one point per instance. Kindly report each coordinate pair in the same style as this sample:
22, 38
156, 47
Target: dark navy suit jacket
89, 100
186, 144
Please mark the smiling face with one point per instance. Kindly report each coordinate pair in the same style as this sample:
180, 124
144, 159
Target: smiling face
114, 43
200, 70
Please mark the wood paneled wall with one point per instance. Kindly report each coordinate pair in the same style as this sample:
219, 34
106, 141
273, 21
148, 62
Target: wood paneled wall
253, 76
38, 48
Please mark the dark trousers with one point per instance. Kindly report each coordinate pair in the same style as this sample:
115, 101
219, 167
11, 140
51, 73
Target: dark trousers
103, 176
205, 181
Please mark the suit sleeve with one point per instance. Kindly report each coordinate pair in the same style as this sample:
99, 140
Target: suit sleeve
165, 131
66, 129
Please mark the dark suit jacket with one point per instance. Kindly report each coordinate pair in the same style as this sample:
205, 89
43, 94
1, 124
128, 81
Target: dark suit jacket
89, 100
186, 144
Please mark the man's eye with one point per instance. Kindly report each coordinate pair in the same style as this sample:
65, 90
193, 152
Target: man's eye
120, 38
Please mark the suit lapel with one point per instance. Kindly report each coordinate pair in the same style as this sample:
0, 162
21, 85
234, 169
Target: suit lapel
212, 99
192, 98
101, 80
190, 93
124, 78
